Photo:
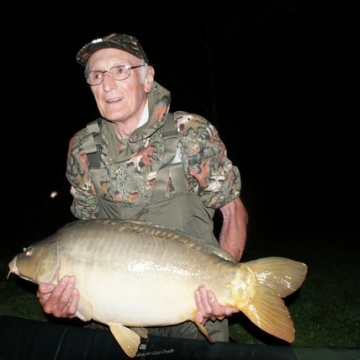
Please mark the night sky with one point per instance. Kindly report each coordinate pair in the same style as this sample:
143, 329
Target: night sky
269, 76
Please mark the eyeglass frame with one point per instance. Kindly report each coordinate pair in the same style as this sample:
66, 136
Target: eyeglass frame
127, 67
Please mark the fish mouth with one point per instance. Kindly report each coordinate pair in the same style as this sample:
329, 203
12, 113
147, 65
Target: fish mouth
13, 268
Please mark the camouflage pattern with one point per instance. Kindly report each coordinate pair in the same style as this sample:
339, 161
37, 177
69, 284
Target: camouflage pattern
124, 42
129, 168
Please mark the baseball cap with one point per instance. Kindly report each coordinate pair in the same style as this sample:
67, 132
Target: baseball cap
124, 42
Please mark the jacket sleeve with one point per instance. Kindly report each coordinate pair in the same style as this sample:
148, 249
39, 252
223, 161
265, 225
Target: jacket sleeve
85, 203
210, 173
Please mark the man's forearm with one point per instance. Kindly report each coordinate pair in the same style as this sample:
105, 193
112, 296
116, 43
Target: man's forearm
234, 228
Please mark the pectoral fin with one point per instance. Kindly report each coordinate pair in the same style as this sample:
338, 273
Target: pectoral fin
128, 339
140, 331
84, 311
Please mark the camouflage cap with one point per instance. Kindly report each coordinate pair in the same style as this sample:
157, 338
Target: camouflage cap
124, 42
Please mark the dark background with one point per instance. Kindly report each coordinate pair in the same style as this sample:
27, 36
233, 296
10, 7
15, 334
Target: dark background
269, 75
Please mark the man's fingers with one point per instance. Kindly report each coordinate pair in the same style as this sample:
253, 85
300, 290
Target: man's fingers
61, 298
199, 314
209, 308
214, 307
44, 291
205, 301
203, 304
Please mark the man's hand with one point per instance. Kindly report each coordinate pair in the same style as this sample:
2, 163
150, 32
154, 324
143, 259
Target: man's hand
61, 300
209, 308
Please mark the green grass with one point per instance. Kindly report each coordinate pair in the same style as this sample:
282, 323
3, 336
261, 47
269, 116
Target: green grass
325, 310
19, 299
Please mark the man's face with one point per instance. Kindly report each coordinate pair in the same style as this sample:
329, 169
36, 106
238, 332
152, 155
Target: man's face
122, 100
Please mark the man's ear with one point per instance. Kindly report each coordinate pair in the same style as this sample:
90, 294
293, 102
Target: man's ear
149, 79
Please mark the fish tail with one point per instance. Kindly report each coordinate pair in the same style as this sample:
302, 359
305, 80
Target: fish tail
269, 281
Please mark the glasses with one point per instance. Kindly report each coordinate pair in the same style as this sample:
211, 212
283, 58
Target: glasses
118, 73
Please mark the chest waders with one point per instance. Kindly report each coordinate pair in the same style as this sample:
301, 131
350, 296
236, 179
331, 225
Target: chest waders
181, 210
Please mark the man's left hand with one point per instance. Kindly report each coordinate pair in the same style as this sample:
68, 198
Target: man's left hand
209, 308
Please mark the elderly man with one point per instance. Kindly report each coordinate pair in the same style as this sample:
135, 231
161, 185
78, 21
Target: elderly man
140, 161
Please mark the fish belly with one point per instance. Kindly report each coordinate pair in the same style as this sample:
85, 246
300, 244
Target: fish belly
142, 280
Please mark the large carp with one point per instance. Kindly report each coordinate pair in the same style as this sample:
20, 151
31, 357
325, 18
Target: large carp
136, 274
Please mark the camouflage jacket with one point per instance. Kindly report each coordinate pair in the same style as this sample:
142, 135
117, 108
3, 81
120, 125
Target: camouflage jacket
128, 169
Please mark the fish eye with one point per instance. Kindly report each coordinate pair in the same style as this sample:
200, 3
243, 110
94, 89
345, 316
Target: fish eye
28, 251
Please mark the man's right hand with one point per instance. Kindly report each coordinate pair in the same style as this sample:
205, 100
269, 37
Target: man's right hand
60, 300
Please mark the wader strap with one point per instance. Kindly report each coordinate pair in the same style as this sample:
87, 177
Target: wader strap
92, 148
169, 170
178, 177
92, 143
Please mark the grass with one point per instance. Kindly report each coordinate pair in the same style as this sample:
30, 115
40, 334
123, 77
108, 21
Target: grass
325, 310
